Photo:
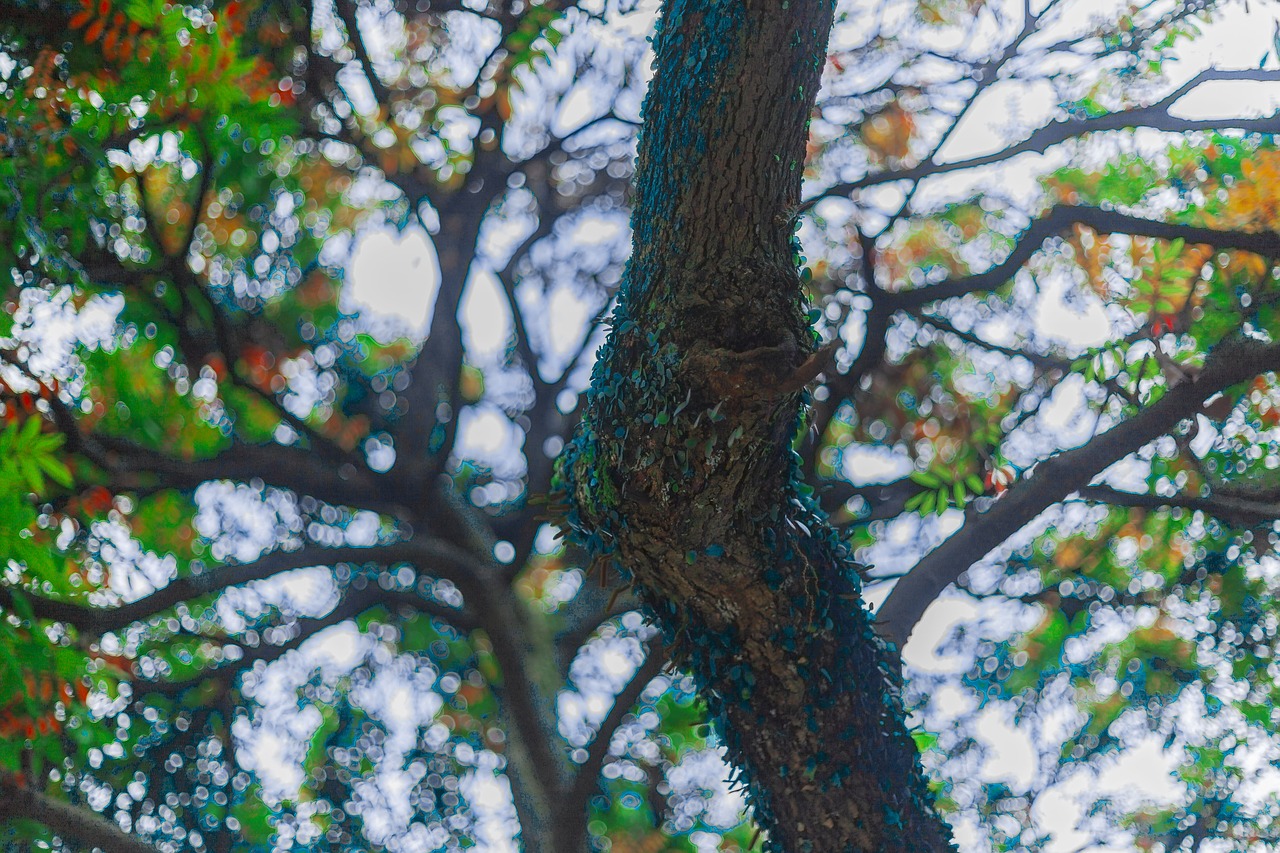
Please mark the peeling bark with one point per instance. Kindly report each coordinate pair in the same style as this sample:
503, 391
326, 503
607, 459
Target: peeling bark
683, 472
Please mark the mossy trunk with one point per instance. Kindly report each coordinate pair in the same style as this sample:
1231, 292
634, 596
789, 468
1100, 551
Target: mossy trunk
683, 471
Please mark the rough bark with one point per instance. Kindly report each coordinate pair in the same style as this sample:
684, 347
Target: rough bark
683, 473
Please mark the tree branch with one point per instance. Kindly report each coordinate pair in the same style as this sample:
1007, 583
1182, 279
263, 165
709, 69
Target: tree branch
347, 13
1039, 360
353, 603
1232, 361
1061, 217
537, 764
292, 468
1155, 116
1232, 510
81, 823
426, 433
99, 620
985, 75
586, 613
588, 777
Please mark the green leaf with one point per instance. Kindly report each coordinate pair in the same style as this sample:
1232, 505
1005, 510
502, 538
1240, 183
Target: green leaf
56, 470
30, 429
926, 478
924, 740
143, 12
31, 473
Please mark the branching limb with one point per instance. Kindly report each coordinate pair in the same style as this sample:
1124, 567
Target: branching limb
1232, 510
1062, 217
984, 75
588, 776
1038, 360
1233, 361
347, 12
1155, 116
18, 801
591, 608
292, 468
536, 763
434, 558
352, 605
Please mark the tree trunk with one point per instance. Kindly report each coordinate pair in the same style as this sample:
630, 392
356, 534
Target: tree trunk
683, 472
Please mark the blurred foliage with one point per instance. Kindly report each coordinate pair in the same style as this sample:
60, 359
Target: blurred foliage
174, 180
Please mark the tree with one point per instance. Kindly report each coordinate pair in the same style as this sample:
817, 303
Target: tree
757, 594
216, 473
